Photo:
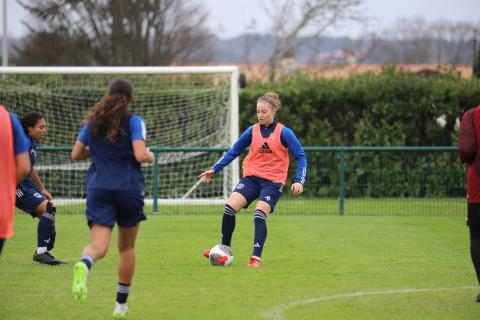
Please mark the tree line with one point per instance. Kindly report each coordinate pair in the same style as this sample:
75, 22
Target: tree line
176, 32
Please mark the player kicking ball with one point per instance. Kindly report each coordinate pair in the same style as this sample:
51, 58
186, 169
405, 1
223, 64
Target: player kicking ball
265, 171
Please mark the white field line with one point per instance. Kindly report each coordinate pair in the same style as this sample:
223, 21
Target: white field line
276, 313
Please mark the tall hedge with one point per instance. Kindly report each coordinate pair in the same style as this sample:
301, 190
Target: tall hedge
393, 108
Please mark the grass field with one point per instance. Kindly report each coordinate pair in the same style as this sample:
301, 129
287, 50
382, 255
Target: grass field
315, 267
305, 206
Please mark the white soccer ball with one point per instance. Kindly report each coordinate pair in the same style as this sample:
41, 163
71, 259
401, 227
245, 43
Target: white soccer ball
221, 255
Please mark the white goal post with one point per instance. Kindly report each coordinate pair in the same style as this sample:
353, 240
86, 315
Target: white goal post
184, 107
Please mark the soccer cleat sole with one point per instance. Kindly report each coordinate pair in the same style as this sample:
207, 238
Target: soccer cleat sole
79, 287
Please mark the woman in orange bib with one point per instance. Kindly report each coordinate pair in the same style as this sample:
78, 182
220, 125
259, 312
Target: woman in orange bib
265, 171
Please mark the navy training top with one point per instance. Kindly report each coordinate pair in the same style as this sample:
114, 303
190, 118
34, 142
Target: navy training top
114, 166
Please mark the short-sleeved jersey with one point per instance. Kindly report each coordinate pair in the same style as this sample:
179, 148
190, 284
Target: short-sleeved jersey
114, 166
32, 150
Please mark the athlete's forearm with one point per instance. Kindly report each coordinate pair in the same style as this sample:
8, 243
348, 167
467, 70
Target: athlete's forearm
37, 181
237, 149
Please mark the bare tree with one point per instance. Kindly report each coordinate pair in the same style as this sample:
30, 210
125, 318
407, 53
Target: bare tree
415, 40
112, 32
309, 18
453, 41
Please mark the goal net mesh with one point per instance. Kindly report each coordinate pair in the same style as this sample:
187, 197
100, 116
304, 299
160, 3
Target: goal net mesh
180, 111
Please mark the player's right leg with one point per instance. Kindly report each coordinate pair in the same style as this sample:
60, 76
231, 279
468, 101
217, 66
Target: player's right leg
243, 194
101, 216
96, 250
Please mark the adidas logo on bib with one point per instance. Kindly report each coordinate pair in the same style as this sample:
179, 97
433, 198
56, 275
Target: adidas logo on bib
265, 148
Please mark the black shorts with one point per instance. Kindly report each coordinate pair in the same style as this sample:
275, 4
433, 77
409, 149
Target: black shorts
473, 216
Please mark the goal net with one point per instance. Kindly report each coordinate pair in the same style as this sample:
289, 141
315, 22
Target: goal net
188, 112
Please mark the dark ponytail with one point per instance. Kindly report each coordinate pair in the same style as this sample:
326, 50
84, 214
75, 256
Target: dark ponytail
108, 114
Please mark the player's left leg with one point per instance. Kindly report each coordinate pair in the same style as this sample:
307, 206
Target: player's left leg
129, 216
270, 193
262, 210
46, 234
126, 267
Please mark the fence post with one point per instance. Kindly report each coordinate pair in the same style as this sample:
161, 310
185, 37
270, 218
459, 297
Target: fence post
341, 186
155, 183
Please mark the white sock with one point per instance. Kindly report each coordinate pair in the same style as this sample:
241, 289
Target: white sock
41, 250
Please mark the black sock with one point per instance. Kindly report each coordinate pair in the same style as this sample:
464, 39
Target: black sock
228, 224
475, 249
260, 232
1, 245
44, 229
51, 244
123, 289
88, 260
52, 210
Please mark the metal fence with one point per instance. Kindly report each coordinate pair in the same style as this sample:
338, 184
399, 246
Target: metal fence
423, 181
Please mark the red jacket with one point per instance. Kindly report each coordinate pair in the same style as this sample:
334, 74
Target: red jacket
469, 151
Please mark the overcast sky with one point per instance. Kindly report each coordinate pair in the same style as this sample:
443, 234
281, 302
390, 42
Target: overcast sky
230, 18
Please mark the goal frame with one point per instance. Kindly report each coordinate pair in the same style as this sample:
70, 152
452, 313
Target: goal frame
233, 114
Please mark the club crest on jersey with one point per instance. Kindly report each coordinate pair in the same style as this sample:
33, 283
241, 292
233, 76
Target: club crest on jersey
265, 148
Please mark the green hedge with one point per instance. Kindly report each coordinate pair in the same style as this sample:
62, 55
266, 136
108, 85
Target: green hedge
389, 109
392, 108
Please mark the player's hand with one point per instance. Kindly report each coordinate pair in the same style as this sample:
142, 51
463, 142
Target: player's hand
47, 195
297, 189
207, 176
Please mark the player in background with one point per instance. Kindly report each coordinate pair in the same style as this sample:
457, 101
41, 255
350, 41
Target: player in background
469, 155
14, 167
265, 170
115, 140
32, 196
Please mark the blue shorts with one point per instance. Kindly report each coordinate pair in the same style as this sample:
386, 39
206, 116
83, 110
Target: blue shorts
265, 190
28, 199
105, 207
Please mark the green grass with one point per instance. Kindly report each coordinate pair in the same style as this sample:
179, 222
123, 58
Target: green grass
306, 257
305, 206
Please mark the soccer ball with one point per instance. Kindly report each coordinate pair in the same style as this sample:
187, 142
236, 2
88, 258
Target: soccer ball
221, 255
